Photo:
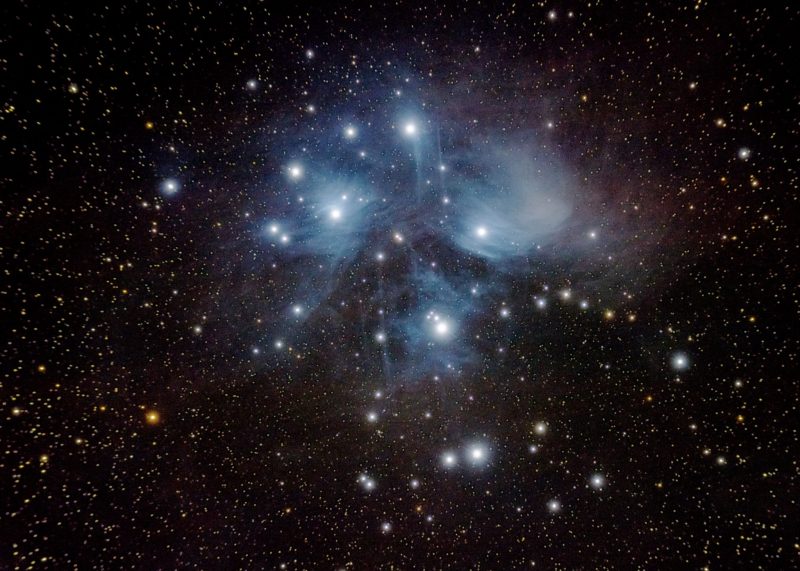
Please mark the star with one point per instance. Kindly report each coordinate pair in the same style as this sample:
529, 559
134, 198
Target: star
170, 187
477, 454
295, 171
410, 129
367, 483
679, 361
441, 326
597, 481
449, 459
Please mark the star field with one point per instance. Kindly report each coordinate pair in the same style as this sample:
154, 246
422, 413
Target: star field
398, 286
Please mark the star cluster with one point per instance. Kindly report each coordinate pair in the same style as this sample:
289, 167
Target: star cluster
406, 285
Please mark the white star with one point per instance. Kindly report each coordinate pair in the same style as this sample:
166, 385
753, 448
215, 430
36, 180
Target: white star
477, 454
597, 481
680, 362
367, 483
170, 186
295, 171
410, 129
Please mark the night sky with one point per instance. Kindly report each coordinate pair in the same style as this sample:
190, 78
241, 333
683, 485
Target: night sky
409, 285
